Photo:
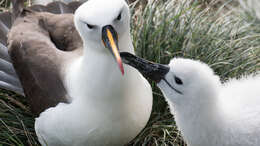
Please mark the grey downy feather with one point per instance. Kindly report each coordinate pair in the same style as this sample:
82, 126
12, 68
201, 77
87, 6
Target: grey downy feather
8, 77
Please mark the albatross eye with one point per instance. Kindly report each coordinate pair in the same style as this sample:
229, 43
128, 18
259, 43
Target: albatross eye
119, 16
178, 80
90, 26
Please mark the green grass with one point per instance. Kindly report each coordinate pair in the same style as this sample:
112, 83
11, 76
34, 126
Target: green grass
16, 123
225, 36
228, 39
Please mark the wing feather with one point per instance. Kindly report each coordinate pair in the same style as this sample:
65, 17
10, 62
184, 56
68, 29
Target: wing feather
30, 43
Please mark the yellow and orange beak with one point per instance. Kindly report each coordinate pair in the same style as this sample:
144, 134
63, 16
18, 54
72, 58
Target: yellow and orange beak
110, 40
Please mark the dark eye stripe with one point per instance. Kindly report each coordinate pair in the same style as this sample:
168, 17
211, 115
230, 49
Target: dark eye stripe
119, 16
178, 80
171, 86
90, 26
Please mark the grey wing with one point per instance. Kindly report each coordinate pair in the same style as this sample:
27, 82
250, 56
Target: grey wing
8, 76
45, 2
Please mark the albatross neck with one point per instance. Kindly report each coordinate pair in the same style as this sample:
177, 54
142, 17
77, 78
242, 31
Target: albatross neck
96, 74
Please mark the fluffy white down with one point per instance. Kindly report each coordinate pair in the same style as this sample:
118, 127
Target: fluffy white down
209, 113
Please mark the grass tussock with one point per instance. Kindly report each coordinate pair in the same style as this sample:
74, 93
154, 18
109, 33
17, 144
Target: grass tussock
16, 121
226, 36
4, 5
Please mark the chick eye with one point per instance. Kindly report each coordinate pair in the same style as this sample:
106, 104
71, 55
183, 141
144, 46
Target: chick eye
119, 16
178, 80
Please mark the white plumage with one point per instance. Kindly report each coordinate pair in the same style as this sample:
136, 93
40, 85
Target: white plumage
209, 113
106, 107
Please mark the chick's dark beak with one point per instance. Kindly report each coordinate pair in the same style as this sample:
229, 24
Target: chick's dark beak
110, 40
154, 71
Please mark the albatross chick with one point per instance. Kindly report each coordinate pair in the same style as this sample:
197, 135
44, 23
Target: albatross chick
207, 112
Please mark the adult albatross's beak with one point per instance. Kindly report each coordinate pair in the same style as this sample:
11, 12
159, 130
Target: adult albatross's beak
110, 40
151, 70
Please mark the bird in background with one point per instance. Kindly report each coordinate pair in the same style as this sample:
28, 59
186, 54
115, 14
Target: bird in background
69, 68
206, 111
45, 2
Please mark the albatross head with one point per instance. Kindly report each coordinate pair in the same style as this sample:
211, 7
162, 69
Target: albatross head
183, 81
104, 25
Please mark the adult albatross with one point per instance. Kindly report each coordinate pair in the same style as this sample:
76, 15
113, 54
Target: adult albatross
78, 90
